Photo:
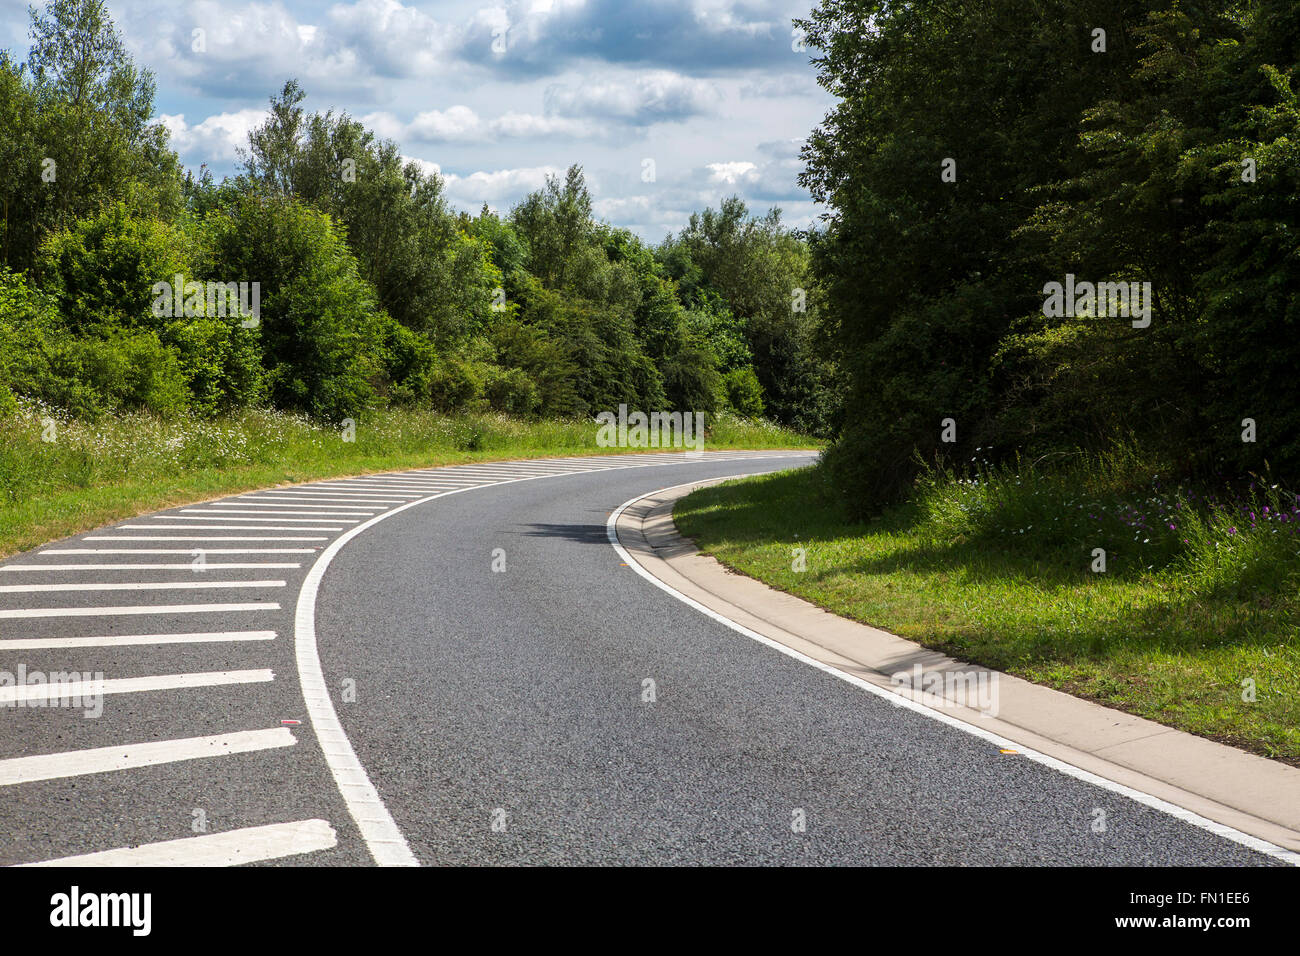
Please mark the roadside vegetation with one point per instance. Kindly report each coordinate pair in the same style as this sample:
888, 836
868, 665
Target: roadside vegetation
93, 473
987, 446
166, 336
1193, 623
127, 284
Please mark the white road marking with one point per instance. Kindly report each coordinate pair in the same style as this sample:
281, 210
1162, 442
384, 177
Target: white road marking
1180, 813
129, 685
226, 527
308, 499
166, 566
135, 586
499, 472
246, 520
230, 848
330, 495
382, 836
10, 614
419, 487
181, 537
397, 480
380, 831
131, 640
274, 509
75, 763
390, 484
179, 551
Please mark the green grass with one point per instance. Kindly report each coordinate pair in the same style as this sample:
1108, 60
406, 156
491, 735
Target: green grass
996, 570
94, 473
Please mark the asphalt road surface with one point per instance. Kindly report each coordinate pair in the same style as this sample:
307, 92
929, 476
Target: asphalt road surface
476, 678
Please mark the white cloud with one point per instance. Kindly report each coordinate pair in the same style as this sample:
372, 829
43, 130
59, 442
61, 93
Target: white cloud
502, 185
460, 124
733, 172
652, 97
216, 138
457, 123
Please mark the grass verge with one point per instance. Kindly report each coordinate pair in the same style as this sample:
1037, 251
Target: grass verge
61, 476
1194, 623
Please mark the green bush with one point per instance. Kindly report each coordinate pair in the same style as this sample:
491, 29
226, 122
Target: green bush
511, 391
691, 381
455, 384
409, 362
102, 270
220, 361
744, 393
320, 329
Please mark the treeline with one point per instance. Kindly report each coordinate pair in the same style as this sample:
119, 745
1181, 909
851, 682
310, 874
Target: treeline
981, 151
370, 290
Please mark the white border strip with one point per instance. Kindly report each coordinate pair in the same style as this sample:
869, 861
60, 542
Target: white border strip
1187, 816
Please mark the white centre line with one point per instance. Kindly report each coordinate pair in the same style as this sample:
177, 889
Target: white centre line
57, 690
75, 763
229, 848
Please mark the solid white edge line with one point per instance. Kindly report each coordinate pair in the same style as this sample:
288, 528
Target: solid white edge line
382, 836
1172, 809
229, 848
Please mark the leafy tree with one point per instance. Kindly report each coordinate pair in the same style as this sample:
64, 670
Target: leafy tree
428, 274
320, 328
76, 124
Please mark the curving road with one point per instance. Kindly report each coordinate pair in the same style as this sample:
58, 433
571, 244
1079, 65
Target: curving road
476, 677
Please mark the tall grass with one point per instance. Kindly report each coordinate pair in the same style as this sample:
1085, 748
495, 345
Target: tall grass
59, 475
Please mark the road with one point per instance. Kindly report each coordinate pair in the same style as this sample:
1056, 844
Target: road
477, 678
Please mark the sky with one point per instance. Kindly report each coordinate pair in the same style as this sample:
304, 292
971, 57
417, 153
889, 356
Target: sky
668, 105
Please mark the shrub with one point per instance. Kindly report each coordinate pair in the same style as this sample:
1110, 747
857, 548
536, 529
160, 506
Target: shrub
455, 384
511, 391
744, 394
320, 329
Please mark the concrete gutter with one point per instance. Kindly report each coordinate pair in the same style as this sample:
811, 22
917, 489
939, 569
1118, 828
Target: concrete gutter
1257, 796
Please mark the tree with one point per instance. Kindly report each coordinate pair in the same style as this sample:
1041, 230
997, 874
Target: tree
428, 274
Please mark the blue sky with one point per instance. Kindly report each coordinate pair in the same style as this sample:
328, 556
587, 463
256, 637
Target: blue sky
712, 92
